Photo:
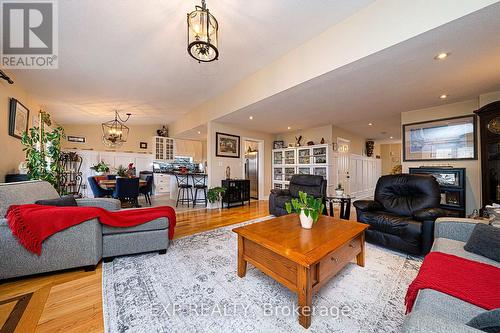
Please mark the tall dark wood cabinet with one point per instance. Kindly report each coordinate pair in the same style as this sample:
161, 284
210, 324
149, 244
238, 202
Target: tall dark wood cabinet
489, 126
237, 192
452, 186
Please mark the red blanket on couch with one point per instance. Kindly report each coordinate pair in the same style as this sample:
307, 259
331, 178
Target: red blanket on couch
32, 224
470, 281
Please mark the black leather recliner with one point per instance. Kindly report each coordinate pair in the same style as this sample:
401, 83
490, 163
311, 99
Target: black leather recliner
310, 184
403, 213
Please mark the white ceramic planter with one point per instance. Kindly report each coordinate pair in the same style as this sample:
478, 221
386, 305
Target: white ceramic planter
305, 221
339, 193
214, 205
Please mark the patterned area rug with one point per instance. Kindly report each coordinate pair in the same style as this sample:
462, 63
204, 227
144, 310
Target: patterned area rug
194, 288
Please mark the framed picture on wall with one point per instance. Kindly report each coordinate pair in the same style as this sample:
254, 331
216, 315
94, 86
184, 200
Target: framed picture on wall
77, 139
143, 145
18, 118
227, 145
440, 140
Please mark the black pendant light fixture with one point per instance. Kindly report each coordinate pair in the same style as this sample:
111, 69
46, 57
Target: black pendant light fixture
202, 34
114, 132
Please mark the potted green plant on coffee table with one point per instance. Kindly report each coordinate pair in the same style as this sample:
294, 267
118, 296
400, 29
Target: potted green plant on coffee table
308, 207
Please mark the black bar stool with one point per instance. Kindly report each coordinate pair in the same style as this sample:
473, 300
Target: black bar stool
200, 183
184, 190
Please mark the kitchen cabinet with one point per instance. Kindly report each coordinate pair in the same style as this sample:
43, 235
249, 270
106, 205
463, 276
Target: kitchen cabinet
164, 149
191, 148
161, 183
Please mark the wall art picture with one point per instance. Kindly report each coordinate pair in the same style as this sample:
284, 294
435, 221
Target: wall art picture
18, 118
443, 139
280, 144
77, 139
227, 145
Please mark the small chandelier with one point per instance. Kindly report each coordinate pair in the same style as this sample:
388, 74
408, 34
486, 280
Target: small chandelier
202, 34
114, 132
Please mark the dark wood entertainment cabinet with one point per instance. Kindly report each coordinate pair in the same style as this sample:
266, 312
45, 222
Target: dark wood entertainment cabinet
237, 192
452, 184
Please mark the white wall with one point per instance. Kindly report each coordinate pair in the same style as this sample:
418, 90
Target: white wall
217, 165
11, 147
473, 167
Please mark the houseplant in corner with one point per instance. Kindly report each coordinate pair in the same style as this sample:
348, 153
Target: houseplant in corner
308, 207
214, 196
100, 168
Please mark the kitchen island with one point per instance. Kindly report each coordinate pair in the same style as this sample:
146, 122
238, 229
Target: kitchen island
166, 183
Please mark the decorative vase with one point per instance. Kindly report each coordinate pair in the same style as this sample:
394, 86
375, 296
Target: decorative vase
305, 221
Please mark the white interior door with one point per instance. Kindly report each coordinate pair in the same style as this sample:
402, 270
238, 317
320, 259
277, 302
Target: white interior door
343, 176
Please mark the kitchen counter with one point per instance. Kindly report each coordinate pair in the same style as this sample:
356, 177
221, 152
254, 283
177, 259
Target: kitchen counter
166, 183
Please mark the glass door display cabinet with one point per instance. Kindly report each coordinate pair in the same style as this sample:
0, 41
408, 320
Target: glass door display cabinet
290, 156
278, 157
304, 156
319, 155
489, 128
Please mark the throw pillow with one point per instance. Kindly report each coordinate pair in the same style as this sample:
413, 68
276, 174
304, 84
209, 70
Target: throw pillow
488, 321
64, 201
485, 241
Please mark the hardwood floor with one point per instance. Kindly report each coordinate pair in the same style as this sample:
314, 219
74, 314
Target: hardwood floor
72, 301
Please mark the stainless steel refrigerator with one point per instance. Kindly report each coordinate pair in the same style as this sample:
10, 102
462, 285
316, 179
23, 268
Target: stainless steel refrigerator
252, 173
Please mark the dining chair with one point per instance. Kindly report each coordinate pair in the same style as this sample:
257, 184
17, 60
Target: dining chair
97, 190
111, 177
200, 183
184, 190
147, 189
127, 190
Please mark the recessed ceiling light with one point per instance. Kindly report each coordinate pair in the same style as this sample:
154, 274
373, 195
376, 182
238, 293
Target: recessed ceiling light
199, 132
442, 56
289, 128
369, 124
391, 137
443, 96
251, 117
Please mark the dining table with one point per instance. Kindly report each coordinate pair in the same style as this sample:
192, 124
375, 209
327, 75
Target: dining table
111, 183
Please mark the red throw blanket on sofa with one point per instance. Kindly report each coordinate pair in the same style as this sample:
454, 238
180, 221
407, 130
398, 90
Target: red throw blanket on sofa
32, 224
468, 280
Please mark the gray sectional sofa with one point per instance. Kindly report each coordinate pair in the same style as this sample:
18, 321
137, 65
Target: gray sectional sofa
436, 312
83, 245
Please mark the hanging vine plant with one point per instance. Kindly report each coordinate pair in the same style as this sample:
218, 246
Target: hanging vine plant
43, 151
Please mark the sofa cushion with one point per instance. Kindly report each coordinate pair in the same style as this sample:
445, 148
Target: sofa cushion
426, 322
456, 248
24, 193
387, 223
158, 224
65, 201
485, 241
445, 306
488, 321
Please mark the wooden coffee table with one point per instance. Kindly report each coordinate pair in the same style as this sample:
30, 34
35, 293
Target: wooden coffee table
302, 260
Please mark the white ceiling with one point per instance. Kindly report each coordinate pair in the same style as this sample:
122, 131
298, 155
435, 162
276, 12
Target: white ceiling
131, 55
378, 88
